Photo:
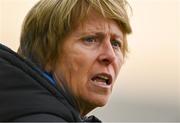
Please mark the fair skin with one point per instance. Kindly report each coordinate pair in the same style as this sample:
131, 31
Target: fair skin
91, 57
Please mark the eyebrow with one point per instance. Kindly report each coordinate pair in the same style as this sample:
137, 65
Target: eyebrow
101, 34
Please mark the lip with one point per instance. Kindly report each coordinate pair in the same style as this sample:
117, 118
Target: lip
102, 84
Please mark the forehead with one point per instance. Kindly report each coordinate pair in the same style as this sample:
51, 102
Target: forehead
95, 23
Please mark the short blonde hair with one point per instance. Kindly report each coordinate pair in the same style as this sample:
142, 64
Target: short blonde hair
50, 21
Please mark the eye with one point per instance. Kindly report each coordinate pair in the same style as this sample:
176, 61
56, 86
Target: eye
89, 39
116, 44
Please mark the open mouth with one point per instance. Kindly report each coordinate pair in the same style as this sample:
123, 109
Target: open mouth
102, 78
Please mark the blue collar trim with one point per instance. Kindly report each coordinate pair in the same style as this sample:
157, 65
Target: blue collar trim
49, 77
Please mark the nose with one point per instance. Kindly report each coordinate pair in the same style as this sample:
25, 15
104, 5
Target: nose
107, 54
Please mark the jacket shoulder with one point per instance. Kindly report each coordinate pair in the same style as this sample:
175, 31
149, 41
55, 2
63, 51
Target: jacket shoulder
24, 92
40, 118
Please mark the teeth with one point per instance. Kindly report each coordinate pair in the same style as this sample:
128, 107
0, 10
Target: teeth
103, 77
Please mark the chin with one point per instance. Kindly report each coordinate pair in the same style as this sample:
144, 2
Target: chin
92, 102
102, 103
99, 101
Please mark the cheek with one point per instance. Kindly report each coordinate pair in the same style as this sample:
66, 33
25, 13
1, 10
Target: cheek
81, 59
119, 57
77, 65
118, 64
77, 76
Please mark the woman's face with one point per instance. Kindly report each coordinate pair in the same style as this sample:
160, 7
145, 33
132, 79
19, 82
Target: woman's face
91, 57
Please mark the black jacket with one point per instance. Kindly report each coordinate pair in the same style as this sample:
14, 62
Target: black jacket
26, 95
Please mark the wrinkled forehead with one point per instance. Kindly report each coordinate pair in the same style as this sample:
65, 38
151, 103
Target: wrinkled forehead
96, 23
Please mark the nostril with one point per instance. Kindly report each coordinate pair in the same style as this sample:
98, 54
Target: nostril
106, 61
